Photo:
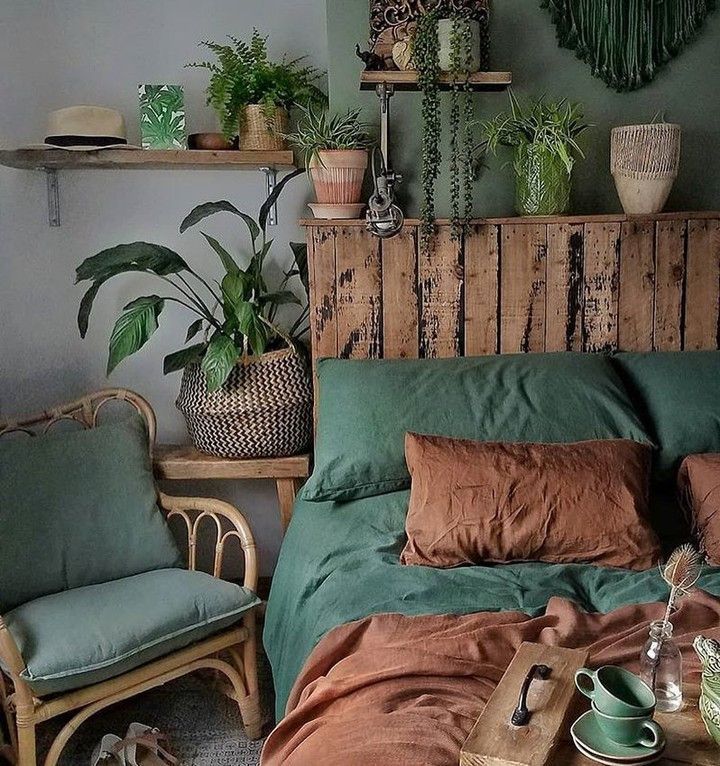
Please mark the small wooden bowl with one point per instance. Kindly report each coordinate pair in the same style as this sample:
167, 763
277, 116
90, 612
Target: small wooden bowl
209, 141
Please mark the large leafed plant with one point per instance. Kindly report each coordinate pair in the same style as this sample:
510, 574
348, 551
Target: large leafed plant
234, 316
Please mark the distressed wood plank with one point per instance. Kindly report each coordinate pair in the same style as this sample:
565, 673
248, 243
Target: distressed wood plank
522, 289
321, 273
637, 286
600, 309
669, 285
359, 311
702, 291
399, 296
440, 285
563, 320
481, 290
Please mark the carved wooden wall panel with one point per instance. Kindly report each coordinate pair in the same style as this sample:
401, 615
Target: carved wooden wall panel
517, 285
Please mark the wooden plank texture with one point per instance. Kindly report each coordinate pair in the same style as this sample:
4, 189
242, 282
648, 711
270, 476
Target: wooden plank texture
440, 279
565, 256
636, 296
399, 296
600, 309
494, 741
702, 298
359, 313
481, 290
522, 289
633, 283
669, 284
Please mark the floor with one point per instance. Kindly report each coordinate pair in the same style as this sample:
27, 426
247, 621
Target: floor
203, 726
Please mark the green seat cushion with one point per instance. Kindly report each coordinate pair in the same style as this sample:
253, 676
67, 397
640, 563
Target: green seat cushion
678, 394
367, 406
82, 636
78, 508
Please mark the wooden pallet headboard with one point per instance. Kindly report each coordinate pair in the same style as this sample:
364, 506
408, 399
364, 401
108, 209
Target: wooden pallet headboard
591, 283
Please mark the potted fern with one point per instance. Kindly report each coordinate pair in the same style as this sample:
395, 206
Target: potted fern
245, 389
543, 137
335, 152
252, 95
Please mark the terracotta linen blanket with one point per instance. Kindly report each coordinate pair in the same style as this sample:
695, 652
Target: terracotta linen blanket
397, 690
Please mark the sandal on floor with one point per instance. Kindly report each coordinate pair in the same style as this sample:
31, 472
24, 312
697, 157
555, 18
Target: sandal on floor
142, 747
107, 753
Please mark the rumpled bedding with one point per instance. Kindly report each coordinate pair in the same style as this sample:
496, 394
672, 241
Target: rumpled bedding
398, 690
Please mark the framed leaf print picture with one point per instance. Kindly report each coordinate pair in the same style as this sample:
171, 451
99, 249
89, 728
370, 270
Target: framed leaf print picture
162, 116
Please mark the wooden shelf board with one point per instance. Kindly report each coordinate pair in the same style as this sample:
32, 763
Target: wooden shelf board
566, 219
408, 80
178, 461
147, 159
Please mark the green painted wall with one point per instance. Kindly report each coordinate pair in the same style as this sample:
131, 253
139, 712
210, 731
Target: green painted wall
523, 40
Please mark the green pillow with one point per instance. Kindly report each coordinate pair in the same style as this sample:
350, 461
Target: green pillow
678, 394
367, 406
78, 508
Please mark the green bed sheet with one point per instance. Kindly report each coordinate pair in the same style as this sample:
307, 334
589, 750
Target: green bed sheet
339, 563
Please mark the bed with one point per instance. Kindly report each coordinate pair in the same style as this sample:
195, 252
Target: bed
375, 662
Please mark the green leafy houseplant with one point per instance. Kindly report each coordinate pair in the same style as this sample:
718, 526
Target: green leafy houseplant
243, 75
318, 131
237, 314
543, 136
425, 56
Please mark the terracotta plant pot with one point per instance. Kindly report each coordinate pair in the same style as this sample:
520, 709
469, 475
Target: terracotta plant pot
337, 175
209, 141
260, 132
644, 161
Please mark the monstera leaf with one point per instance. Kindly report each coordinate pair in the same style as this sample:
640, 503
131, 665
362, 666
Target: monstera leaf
625, 42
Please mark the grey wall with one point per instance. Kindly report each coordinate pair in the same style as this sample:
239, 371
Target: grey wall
54, 53
523, 40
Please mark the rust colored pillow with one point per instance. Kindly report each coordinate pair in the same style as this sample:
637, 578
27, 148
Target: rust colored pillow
488, 502
699, 483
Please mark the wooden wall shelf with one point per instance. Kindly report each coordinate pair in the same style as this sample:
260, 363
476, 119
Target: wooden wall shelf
52, 160
479, 81
145, 159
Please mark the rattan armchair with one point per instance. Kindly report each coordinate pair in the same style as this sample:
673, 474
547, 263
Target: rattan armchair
231, 653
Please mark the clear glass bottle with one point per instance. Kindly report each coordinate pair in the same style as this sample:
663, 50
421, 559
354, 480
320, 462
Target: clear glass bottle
661, 667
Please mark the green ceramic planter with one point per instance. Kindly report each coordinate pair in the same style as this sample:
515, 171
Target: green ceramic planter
542, 182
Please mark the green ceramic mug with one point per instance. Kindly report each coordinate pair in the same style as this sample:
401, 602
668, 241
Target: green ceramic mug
630, 730
616, 691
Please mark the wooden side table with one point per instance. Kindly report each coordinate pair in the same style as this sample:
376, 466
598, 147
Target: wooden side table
177, 461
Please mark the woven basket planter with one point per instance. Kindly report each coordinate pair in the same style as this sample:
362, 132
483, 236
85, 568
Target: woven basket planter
338, 174
264, 409
644, 161
258, 132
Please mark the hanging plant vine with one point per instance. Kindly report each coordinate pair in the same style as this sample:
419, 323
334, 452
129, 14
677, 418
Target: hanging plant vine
426, 48
625, 42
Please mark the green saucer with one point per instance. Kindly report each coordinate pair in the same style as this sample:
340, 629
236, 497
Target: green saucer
591, 741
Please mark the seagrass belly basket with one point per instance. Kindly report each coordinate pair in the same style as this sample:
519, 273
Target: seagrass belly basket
264, 408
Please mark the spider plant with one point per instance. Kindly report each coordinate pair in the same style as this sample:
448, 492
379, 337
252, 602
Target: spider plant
543, 135
319, 131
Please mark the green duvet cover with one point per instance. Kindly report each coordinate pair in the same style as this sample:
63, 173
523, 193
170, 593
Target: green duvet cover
339, 563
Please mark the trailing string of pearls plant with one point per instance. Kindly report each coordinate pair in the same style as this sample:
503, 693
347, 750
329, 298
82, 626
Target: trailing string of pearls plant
425, 56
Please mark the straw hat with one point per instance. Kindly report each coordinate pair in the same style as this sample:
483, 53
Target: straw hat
85, 128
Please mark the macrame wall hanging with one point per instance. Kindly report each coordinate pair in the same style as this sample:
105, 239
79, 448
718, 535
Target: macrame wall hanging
627, 41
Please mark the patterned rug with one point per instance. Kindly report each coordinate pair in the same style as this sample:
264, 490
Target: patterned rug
203, 725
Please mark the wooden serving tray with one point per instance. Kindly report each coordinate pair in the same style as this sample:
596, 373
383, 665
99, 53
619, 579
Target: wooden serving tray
494, 741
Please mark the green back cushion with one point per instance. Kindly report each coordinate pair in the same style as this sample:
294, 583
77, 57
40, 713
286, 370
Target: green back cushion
367, 406
78, 508
678, 395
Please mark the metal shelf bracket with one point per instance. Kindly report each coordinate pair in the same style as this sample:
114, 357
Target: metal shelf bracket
53, 197
270, 183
